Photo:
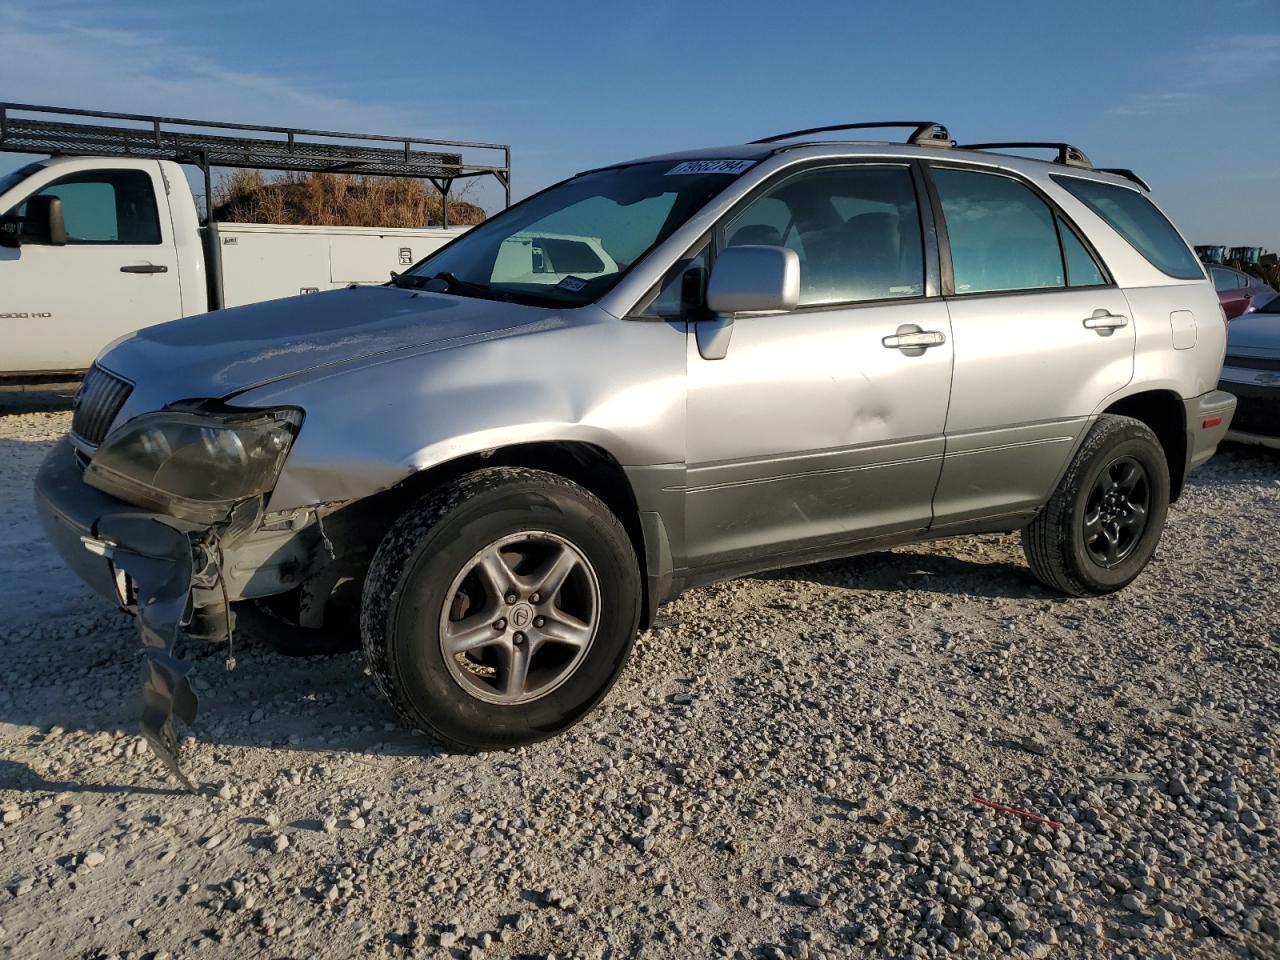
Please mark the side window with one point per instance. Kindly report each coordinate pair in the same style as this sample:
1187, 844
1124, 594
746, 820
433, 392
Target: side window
1136, 219
107, 206
855, 230
1002, 236
1082, 269
682, 289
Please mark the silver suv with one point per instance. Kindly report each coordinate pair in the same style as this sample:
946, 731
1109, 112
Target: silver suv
650, 376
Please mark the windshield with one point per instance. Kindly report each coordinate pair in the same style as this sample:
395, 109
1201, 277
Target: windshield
1271, 306
11, 180
569, 244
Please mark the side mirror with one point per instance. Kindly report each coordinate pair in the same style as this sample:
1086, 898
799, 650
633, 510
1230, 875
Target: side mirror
754, 279
43, 222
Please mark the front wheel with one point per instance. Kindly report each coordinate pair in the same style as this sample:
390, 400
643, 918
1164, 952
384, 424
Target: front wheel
501, 608
1103, 523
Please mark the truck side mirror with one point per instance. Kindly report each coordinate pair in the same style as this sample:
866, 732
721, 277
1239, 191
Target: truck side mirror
43, 222
10, 229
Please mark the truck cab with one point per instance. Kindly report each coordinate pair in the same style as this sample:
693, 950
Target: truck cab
98, 248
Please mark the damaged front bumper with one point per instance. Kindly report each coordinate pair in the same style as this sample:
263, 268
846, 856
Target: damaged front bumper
168, 573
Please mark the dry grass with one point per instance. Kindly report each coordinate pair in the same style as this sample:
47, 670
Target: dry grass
328, 199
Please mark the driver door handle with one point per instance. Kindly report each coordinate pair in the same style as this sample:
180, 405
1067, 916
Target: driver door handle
144, 268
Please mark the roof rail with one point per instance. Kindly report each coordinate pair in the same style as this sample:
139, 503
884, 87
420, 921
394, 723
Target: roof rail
1067, 154
270, 148
925, 133
1128, 175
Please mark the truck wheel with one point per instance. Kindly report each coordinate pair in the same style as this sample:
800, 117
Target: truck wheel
500, 608
1102, 524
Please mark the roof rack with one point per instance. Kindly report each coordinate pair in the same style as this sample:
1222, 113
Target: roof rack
1128, 175
925, 133
1067, 154
282, 148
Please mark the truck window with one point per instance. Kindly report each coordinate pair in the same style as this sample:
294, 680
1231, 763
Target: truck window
106, 206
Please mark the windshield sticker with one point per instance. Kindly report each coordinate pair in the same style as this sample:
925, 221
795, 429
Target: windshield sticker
711, 166
572, 284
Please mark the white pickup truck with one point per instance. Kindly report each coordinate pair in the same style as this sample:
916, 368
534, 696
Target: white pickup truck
95, 247
103, 237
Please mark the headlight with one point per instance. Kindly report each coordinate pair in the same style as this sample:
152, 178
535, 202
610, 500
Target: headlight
194, 466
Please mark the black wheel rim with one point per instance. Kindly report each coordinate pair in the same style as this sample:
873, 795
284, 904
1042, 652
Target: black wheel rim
1116, 513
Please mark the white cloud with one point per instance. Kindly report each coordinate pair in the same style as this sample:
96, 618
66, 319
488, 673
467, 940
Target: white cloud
51, 61
59, 57
1242, 62
1154, 104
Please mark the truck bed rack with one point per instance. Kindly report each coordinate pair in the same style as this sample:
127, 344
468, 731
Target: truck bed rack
251, 146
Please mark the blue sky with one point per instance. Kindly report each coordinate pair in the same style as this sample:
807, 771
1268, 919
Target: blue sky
1183, 92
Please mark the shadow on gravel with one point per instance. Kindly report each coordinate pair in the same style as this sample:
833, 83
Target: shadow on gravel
18, 776
15, 403
935, 573
1243, 455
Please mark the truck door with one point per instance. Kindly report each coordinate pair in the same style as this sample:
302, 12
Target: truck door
117, 272
823, 426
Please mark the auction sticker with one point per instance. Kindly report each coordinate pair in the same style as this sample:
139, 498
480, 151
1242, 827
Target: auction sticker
711, 166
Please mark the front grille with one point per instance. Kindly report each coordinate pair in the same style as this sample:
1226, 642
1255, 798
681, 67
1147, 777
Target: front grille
1253, 363
101, 396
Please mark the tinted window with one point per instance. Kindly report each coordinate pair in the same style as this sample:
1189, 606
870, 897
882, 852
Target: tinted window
106, 206
1136, 219
1002, 236
1082, 269
855, 230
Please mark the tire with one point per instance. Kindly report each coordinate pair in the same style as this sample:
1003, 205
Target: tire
1082, 562
534, 521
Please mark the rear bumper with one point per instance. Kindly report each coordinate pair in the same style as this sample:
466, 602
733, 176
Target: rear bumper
1208, 417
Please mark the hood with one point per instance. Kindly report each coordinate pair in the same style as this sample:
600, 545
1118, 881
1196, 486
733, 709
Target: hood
1254, 331
229, 351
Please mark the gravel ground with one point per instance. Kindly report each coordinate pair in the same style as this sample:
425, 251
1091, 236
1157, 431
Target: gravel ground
787, 768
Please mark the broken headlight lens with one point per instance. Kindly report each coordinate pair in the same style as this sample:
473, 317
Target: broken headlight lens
194, 466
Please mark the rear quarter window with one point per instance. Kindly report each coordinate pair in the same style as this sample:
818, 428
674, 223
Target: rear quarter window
1136, 219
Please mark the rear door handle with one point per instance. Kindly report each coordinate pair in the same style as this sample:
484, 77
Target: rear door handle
1104, 321
144, 268
911, 337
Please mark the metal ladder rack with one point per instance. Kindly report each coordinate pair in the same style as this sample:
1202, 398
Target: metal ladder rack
271, 148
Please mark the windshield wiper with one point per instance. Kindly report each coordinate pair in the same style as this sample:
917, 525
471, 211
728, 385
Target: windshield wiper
448, 283
408, 281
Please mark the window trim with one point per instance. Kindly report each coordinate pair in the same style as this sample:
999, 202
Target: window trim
155, 206
1056, 212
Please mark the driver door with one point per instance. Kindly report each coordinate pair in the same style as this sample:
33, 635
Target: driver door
815, 430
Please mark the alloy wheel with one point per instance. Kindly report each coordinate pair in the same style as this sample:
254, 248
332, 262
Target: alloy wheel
520, 617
